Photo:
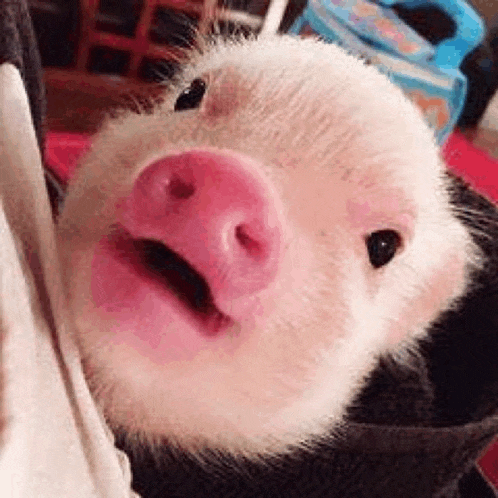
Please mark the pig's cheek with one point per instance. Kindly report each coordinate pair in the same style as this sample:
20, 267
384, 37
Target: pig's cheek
447, 281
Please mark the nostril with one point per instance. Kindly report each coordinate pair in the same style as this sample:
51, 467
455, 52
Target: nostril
248, 241
180, 189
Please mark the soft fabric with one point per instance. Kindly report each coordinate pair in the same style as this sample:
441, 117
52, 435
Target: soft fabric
54, 442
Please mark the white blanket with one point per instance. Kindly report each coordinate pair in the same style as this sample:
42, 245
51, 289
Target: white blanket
53, 440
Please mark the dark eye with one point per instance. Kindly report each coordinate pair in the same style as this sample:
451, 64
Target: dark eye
191, 97
382, 246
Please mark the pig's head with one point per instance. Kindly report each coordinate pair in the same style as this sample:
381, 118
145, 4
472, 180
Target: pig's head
237, 260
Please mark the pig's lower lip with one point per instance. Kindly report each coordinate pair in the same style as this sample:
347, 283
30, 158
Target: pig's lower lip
129, 274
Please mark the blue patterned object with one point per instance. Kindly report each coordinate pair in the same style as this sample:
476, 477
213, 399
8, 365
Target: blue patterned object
429, 74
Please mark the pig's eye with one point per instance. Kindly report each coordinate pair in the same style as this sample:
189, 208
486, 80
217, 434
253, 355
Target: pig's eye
192, 96
382, 246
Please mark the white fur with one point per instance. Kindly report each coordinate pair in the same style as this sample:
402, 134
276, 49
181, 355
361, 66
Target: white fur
332, 135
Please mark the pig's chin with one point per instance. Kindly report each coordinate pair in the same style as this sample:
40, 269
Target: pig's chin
155, 298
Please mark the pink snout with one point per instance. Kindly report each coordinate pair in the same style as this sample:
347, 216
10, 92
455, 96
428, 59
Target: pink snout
218, 213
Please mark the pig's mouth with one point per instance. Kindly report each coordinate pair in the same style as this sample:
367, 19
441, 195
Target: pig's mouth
153, 261
170, 269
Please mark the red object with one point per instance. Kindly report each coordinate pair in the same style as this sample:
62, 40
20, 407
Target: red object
474, 165
62, 151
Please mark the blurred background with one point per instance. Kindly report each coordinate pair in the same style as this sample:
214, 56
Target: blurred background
101, 54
